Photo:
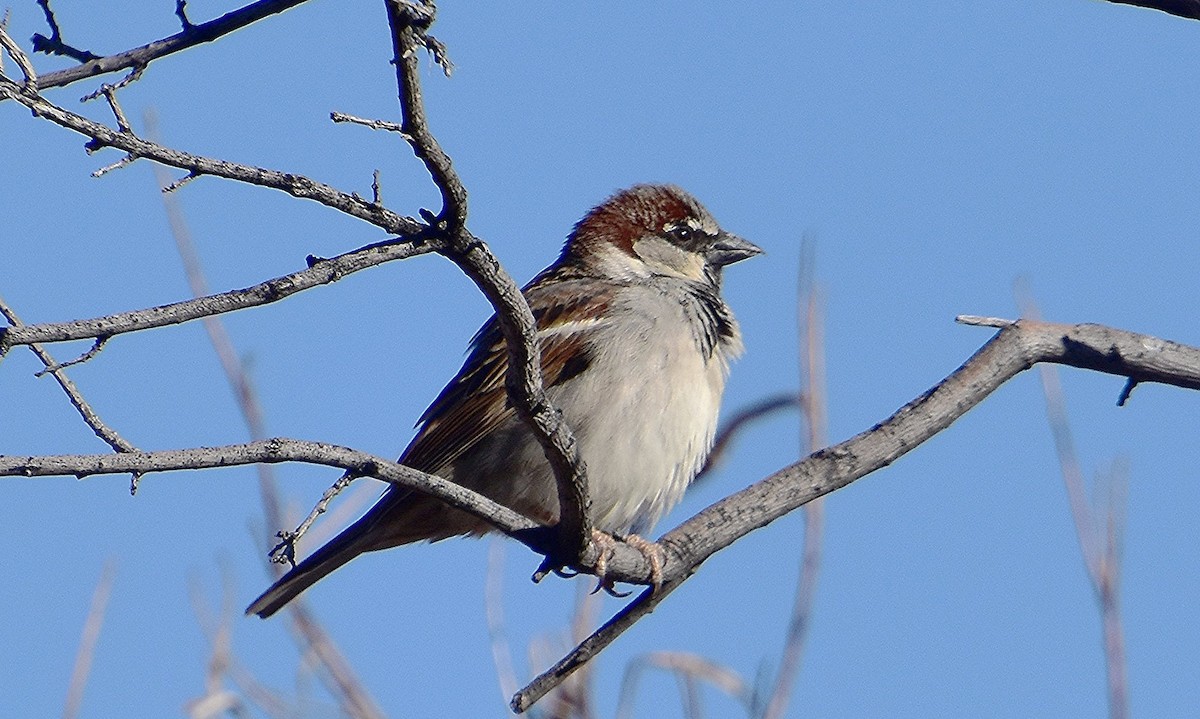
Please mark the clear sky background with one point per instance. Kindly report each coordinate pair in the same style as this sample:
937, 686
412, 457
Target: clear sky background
933, 151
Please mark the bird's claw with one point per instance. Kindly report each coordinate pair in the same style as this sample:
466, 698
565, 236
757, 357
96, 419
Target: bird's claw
654, 554
606, 544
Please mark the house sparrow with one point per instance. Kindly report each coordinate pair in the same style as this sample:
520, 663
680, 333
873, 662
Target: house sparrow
636, 343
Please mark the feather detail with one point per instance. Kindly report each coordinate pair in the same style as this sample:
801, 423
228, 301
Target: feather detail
475, 402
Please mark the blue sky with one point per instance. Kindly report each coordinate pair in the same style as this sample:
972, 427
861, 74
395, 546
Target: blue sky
934, 153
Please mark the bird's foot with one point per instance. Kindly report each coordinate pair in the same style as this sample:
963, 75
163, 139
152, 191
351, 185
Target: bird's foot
607, 543
654, 554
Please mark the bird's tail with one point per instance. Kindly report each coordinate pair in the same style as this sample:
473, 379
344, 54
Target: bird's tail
399, 517
338, 551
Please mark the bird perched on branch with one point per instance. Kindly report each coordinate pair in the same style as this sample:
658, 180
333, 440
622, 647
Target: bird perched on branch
636, 342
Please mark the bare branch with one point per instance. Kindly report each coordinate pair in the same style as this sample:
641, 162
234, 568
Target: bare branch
191, 36
102, 430
409, 22
319, 272
110, 93
18, 55
1101, 556
1011, 351
524, 377
356, 702
979, 321
271, 451
816, 413
285, 550
92, 352
137, 147
373, 124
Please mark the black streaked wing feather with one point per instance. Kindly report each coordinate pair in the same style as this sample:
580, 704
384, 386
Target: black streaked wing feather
475, 403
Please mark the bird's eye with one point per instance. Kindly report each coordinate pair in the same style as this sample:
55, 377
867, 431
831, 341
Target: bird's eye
682, 233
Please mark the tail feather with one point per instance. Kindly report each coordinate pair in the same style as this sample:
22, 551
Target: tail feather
361, 536
399, 517
313, 568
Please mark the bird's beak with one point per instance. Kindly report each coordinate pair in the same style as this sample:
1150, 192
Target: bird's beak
727, 249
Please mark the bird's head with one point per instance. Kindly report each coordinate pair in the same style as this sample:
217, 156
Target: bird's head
655, 230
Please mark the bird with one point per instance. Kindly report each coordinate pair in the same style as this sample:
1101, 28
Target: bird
636, 343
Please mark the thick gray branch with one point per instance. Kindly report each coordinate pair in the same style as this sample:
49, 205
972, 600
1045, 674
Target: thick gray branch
1017, 347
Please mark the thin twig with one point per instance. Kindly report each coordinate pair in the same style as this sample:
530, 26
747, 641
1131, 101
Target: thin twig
1100, 549
683, 664
92, 352
93, 420
121, 164
816, 413
373, 124
171, 187
980, 321
54, 45
87, 642
493, 602
181, 13
285, 550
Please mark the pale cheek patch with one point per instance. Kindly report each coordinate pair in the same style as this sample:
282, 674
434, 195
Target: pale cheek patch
666, 258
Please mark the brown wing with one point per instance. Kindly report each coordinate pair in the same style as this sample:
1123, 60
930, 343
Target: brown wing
475, 402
